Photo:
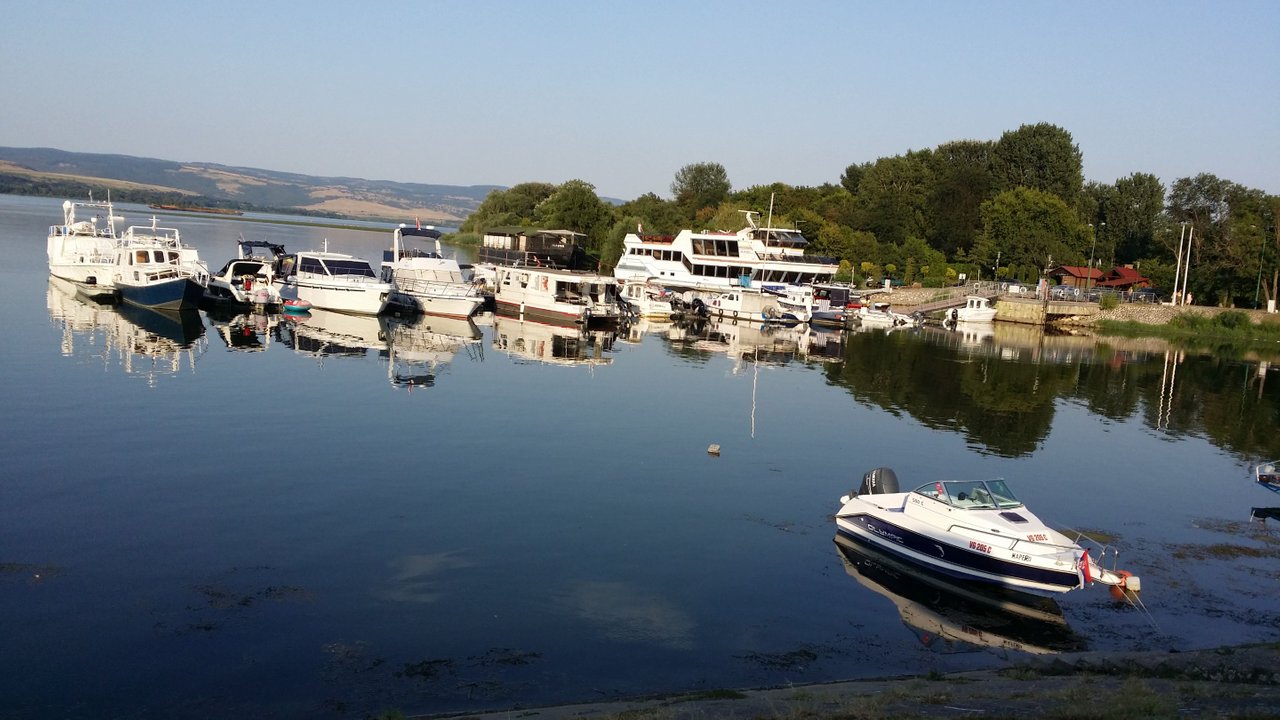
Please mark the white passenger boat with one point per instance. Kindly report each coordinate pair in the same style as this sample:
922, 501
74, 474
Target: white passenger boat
976, 530
332, 281
154, 269
249, 278
976, 309
424, 280
555, 295
717, 261
82, 249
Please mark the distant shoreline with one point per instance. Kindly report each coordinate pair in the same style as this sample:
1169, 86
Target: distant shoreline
196, 208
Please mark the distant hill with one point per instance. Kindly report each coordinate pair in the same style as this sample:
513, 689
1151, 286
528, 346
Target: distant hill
47, 171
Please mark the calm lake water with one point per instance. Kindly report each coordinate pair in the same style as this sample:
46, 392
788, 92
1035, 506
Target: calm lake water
338, 517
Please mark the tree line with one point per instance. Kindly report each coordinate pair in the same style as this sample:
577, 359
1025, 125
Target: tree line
1009, 209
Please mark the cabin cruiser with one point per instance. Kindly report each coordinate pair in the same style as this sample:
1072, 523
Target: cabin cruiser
976, 309
834, 304
332, 281
82, 251
557, 295
975, 530
423, 280
154, 269
249, 279
1268, 476
718, 261
755, 305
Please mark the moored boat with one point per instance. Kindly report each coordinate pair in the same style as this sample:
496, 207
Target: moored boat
332, 281
423, 280
249, 278
717, 261
976, 309
557, 295
976, 530
82, 251
154, 269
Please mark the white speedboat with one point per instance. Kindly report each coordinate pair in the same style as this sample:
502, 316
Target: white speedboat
82, 251
556, 295
332, 281
975, 530
976, 309
878, 315
154, 269
423, 280
648, 299
717, 261
249, 279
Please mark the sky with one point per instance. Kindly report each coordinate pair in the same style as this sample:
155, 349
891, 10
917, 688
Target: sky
624, 94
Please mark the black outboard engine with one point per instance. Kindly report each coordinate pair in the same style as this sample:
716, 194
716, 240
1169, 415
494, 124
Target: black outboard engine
880, 481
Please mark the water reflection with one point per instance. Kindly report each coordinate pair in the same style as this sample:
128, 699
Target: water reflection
324, 334
419, 346
949, 615
147, 343
750, 342
528, 341
245, 332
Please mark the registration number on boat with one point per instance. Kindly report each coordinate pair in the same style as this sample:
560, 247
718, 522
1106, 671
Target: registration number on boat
980, 547
1038, 537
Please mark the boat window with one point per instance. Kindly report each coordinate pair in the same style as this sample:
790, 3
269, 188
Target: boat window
1003, 496
141, 257
309, 264
357, 268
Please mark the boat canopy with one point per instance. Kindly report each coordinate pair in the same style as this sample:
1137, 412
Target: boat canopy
971, 494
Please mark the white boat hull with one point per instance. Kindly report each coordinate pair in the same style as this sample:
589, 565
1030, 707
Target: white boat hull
357, 298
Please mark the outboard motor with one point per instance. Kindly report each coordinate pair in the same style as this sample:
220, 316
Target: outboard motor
879, 481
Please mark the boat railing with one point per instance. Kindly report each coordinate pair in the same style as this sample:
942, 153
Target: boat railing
437, 288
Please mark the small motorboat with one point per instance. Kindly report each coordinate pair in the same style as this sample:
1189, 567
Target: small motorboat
974, 530
295, 307
1268, 475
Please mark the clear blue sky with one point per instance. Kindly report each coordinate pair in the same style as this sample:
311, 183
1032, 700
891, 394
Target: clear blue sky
623, 94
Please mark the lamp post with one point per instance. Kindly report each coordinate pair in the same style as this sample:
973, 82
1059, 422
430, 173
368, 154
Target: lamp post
1093, 246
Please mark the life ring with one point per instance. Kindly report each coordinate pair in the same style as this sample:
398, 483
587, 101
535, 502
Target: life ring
735, 314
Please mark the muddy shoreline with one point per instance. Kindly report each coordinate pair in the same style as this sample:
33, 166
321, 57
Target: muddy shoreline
1241, 681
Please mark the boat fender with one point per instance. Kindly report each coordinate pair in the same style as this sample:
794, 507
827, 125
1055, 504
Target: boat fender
879, 481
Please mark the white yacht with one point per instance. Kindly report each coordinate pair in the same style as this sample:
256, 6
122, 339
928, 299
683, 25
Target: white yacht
718, 261
82, 249
976, 309
332, 281
249, 278
423, 279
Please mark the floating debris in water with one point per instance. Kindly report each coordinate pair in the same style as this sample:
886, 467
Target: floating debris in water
713, 449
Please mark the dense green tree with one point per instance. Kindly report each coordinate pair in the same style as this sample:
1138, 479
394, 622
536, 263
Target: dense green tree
700, 185
1134, 216
513, 206
657, 216
1041, 157
575, 206
962, 181
852, 176
1030, 228
893, 197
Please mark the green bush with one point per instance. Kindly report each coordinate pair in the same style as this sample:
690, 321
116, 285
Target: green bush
1110, 301
1233, 320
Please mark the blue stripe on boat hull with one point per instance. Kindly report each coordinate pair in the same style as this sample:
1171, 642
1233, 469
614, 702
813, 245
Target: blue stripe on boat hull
170, 295
953, 559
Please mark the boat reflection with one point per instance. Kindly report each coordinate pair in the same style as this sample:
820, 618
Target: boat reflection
419, 346
245, 332
950, 615
146, 343
770, 344
529, 341
326, 333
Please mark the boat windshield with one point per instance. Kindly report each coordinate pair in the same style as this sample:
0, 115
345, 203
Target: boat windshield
348, 267
971, 494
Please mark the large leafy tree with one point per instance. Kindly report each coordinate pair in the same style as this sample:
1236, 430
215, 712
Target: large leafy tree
962, 181
1041, 157
575, 206
1134, 216
653, 213
1030, 228
700, 185
513, 206
893, 195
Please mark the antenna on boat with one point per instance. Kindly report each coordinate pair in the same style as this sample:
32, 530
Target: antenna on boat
769, 223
